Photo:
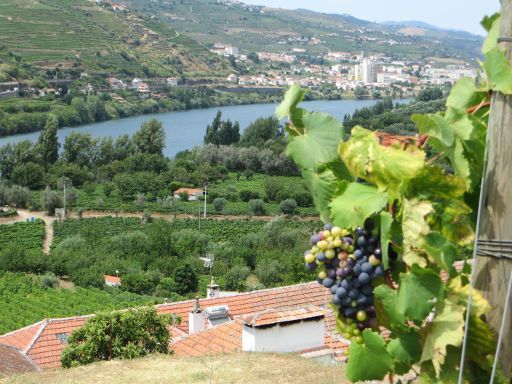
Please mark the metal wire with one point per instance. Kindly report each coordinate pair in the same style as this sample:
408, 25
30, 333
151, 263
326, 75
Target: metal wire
504, 39
502, 329
474, 263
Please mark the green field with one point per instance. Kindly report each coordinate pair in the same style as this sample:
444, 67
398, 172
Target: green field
30, 235
24, 301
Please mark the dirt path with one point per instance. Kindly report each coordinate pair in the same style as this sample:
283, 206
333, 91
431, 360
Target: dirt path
23, 215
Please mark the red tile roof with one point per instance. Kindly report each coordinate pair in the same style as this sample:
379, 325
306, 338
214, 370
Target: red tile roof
12, 361
276, 316
44, 342
113, 280
299, 295
189, 191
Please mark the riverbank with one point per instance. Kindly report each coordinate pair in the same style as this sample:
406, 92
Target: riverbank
186, 129
24, 115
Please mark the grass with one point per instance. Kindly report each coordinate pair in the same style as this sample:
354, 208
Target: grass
225, 369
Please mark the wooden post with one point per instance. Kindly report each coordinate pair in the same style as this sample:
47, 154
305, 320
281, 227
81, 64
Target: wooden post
494, 247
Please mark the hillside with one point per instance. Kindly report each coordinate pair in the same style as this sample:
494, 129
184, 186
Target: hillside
271, 29
241, 368
79, 36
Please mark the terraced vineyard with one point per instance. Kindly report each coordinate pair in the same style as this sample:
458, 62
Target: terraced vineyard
30, 235
82, 34
23, 301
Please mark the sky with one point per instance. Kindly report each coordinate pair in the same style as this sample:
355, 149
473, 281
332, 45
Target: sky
464, 15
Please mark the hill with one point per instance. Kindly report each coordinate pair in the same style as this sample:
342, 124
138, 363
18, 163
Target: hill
64, 38
273, 29
240, 368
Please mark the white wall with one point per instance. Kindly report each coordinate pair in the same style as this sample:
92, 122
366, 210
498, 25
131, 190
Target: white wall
290, 338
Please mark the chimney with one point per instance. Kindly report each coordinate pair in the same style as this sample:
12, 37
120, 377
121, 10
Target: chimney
196, 319
212, 290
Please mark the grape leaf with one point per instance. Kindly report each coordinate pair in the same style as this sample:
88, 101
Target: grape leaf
435, 126
318, 142
462, 95
450, 372
479, 304
323, 186
385, 304
355, 203
491, 41
498, 71
385, 236
288, 107
414, 227
440, 250
405, 351
433, 184
418, 291
488, 20
386, 167
370, 360
446, 329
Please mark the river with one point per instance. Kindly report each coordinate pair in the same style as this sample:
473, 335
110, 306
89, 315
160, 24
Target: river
185, 129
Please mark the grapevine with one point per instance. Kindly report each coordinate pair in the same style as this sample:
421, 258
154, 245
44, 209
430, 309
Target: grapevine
395, 215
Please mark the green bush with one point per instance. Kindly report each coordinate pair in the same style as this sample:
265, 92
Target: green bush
185, 279
257, 207
288, 206
246, 195
126, 334
219, 204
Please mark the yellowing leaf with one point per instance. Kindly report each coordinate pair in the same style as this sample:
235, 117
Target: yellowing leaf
389, 168
414, 227
446, 329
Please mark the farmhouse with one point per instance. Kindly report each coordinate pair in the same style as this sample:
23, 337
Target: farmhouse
193, 193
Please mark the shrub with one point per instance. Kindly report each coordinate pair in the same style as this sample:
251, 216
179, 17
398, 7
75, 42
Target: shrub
108, 188
99, 203
303, 199
257, 207
288, 206
50, 201
140, 283
185, 279
246, 195
219, 204
269, 272
140, 200
48, 281
13, 258
89, 187
234, 279
18, 196
132, 333
146, 216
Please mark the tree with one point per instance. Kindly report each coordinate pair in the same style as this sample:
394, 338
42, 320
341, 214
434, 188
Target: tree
269, 272
50, 200
260, 131
18, 196
150, 138
13, 258
253, 56
234, 279
79, 148
185, 279
257, 207
428, 94
288, 206
28, 175
222, 132
49, 142
126, 334
139, 283
219, 203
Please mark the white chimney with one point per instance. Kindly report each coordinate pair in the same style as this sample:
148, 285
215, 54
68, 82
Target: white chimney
284, 334
196, 319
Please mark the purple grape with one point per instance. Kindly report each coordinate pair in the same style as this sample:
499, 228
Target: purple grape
336, 300
333, 289
348, 240
357, 269
328, 226
331, 273
358, 254
364, 278
328, 282
367, 267
369, 225
339, 272
361, 241
311, 266
350, 312
346, 301
346, 284
362, 299
315, 239
366, 289
356, 283
361, 326
321, 257
341, 292
353, 293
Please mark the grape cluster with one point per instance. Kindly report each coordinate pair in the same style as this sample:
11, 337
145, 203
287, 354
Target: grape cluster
349, 263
